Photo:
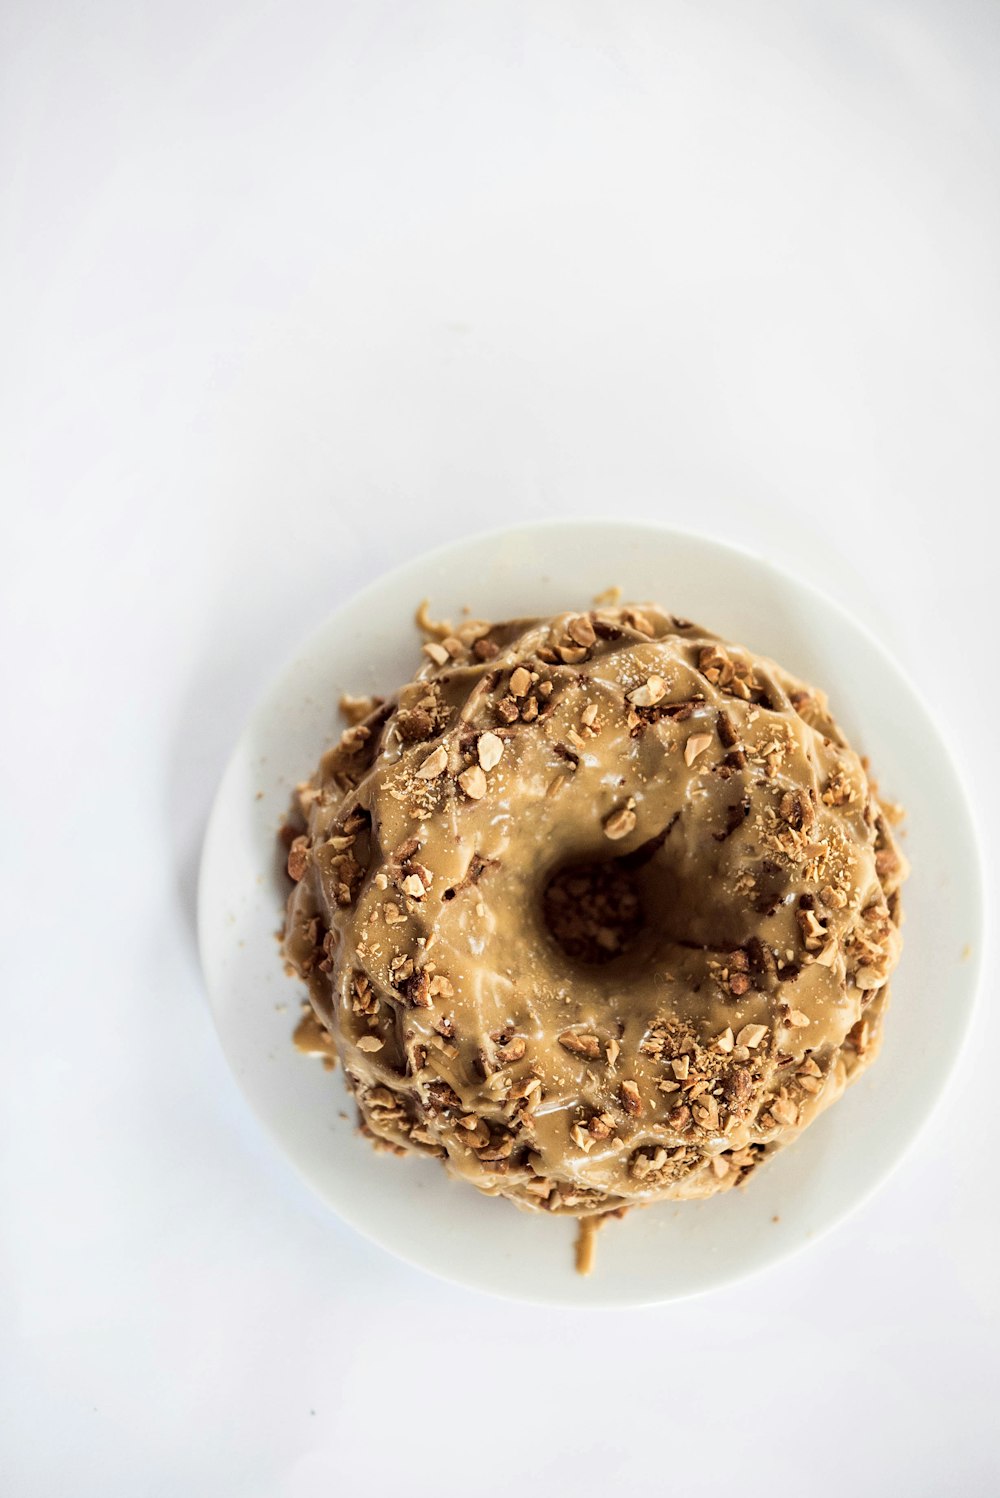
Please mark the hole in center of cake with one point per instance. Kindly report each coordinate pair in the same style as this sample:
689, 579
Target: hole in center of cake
593, 911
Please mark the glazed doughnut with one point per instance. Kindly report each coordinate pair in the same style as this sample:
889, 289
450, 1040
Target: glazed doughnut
598, 909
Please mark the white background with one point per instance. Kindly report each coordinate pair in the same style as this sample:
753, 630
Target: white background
290, 292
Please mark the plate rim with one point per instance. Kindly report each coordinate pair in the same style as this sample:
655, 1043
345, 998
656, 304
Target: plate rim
977, 881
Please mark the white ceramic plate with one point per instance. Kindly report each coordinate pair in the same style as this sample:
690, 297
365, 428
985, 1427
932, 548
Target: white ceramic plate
410, 1206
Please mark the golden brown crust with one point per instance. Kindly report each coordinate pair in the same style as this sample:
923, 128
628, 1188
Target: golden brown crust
598, 909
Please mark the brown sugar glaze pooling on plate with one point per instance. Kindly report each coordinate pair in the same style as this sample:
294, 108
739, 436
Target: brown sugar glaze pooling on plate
599, 909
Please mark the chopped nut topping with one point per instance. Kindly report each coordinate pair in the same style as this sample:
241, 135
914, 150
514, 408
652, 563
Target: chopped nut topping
620, 823
434, 765
357, 709
784, 1110
838, 790
738, 1090
417, 990
489, 750
298, 858
473, 782
696, 744
726, 730
581, 631
581, 1045
652, 691
639, 622
813, 931
776, 810
415, 725
631, 1098
751, 1036
797, 810
715, 664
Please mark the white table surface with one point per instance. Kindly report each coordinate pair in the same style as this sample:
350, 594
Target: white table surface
290, 292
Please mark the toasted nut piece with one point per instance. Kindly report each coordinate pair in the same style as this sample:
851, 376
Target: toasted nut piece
582, 631
581, 1045
620, 823
696, 744
751, 1036
520, 681
473, 782
784, 1110
434, 765
370, 1043
298, 858
639, 622
631, 1098
652, 691
437, 652
490, 750
797, 1019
